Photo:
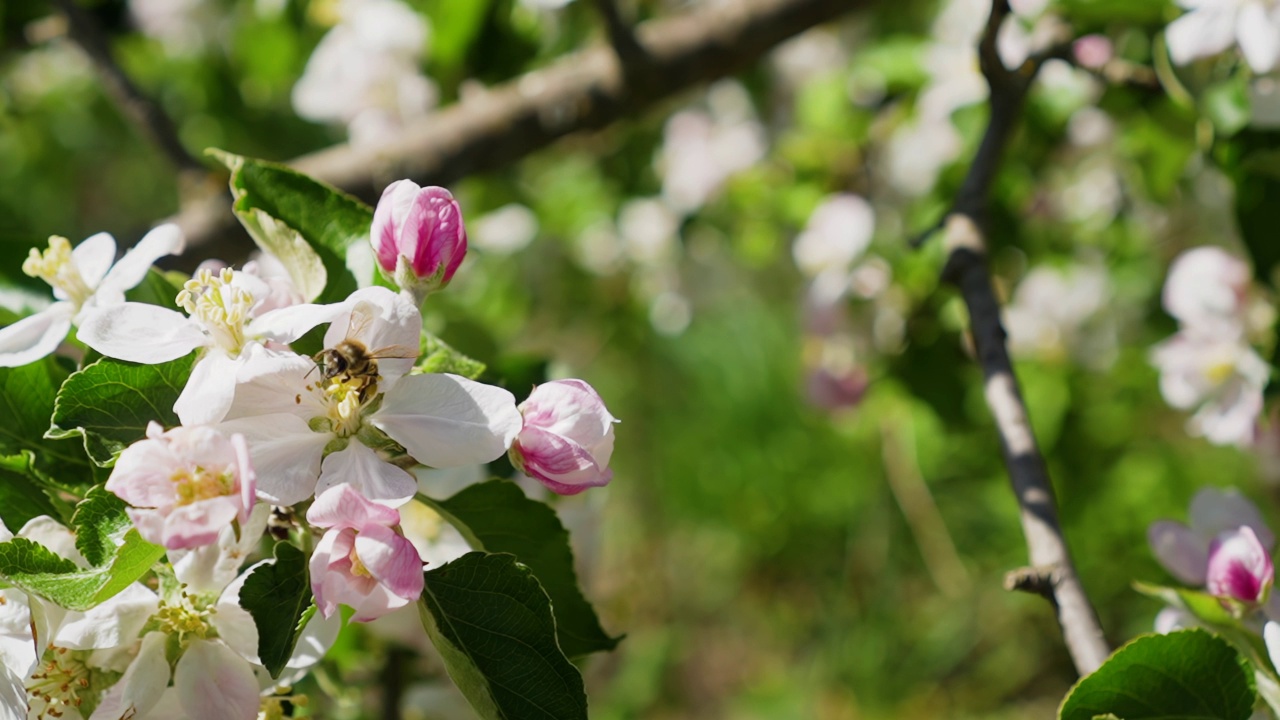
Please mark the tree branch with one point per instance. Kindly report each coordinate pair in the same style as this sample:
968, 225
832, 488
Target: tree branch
587, 90
1053, 574
145, 114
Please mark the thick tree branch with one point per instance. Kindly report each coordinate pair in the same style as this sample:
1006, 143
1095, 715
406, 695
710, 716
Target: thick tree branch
587, 90
1053, 574
144, 113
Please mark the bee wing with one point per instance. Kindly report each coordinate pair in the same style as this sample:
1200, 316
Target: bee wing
395, 352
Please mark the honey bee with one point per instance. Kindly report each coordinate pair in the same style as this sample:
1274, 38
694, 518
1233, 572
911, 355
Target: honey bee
351, 362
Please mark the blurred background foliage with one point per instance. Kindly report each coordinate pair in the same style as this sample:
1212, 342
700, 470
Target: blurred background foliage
768, 556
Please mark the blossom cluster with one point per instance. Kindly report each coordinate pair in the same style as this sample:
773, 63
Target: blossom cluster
325, 439
1210, 365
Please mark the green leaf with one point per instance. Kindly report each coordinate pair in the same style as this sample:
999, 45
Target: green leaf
32, 567
278, 596
437, 356
110, 402
1188, 674
454, 25
496, 517
1227, 105
1201, 604
22, 495
307, 224
26, 402
100, 523
492, 624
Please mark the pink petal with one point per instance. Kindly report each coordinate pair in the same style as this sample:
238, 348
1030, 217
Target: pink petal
342, 506
391, 559
1182, 552
374, 478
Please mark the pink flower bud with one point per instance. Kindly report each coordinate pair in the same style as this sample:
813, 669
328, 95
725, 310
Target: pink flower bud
418, 236
361, 561
1093, 51
567, 438
1239, 566
185, 485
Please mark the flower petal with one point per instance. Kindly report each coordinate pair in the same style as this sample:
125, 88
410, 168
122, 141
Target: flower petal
93, 258
386, 323
128, 272
362, 469
139, 332
113, 623
286, 455
141, 686
210, 390
391, 559
1200, 33
1259, 37
447, 420
35, 336
559, 463
214, 683
1182, 552
287, 324
273, 382
343, 506
1215, 510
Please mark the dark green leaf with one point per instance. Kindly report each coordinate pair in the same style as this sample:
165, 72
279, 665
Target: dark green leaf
26, 403
1189, 674
492, 623
278, 596
22, 495
34, 568
100, 523
307, 224
437, 356
110, 402
496, 517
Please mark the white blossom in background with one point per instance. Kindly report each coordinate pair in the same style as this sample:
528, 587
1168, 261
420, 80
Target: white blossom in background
509, 229
184, 27
1212, 26
1063, 312
811, 54
366, 71
703, 148
1209, 366
838, 232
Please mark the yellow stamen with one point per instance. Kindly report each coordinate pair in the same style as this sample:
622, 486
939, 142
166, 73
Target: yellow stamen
57, 266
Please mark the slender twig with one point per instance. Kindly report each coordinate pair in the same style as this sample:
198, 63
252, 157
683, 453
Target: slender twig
143, 112
630, 52
585, 91
1052, 573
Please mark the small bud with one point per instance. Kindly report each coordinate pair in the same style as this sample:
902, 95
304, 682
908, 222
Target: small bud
1239, 566
1093, 51
567, 438
418, 236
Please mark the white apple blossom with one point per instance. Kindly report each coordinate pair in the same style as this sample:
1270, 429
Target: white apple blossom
1212, 26
365, 73
1059, 311
222, 321
82, 278
1221, 378
1207, 291
702, 149
307, 434
838, 232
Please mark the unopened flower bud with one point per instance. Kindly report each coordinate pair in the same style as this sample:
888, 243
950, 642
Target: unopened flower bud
1239, 566
567, 438
418, 236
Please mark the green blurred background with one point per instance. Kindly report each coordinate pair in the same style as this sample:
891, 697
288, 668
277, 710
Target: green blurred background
766, 557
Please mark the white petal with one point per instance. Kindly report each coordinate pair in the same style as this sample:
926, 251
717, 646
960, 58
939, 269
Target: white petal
1258, 36
137, 692
373, 477
236, 628
161, 241
169, 707
290, 323
139, 332
214, 683
210, 390
447, 420
1200, 33
17, 647
273, 382
286, 455
387, 323
111, 624
13, 696
212, 567
317, 637
93, 257
35, 336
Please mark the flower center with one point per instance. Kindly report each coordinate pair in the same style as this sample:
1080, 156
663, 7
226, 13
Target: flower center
193, 484
57, 266
219, 306
56, 685
343, 396
182, 618
1220, 371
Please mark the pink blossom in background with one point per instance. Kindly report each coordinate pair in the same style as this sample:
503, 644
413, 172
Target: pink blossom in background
361, 561
1184, 549
567, 438
1239, 566
185, 485
418, 236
